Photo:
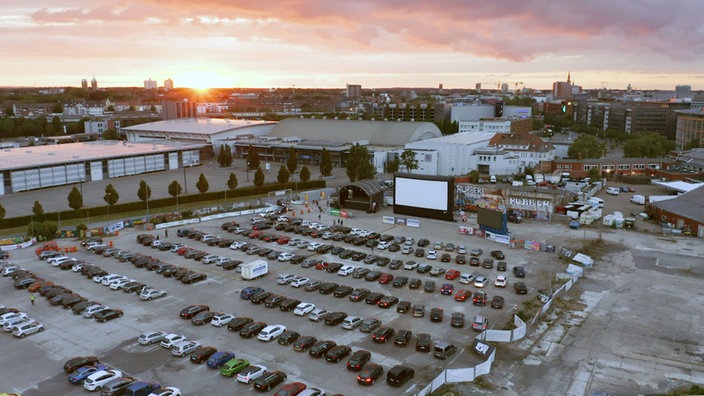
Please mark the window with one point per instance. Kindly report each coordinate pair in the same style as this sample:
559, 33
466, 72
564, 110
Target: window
624, 167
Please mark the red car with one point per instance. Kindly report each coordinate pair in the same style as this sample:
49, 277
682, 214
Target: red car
463, 295
283, 240
182, 250
452, 274
385, 278
254, 234
291, 389
322, 266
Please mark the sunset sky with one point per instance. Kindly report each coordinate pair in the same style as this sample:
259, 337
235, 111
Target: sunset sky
651, 44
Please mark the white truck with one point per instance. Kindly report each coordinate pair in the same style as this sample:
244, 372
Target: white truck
254, 270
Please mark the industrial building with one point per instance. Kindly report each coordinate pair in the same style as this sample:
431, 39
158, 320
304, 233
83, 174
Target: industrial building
197, 130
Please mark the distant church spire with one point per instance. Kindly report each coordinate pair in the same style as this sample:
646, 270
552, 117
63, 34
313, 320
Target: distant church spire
568, 77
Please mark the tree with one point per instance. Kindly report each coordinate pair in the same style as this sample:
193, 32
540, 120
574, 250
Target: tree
38, 210
2, 212
587, 146
283, 175
325, 163
651, 145
111, 134
253, 160
232, 181
408, 160
57, 108
304, 174
393, 165
45, 229
225, 156
175, 189
259, 177
474, 176
56, 126
594, 173
75, 199
202, 184
111, 196
358, 165
292, 160
144, 192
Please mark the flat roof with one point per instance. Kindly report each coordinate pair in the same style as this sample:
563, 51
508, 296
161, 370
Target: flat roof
36, 156
678, 185
203, 126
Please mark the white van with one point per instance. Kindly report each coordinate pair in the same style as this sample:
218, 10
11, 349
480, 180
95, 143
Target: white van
613, 190
492, 179
638, 199
596, 202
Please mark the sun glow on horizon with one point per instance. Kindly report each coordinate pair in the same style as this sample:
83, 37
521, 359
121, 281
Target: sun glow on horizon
202, 80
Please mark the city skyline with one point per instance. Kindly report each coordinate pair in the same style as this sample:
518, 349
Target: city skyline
385, 43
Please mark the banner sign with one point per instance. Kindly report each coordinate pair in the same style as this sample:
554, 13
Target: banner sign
413, 223
388, 220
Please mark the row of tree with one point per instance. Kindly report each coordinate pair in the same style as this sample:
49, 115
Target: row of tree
226, 157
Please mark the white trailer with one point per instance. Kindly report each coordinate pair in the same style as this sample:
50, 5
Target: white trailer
255, 269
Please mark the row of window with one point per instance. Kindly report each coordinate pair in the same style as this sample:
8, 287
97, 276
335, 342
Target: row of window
621, 167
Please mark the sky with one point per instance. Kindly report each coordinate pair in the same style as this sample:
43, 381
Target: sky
650, 44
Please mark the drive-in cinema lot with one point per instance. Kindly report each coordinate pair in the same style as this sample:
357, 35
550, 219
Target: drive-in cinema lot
115, 342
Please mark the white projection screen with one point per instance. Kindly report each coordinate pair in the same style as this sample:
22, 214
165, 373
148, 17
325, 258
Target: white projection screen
424, 196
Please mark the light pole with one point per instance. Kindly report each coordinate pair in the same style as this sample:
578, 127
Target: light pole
107, 208
80, 185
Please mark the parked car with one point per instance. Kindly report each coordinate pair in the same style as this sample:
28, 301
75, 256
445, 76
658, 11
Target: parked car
202, 354
423, 342
383, 334
399, 375
269, 380
369, 374
251, 373
358, 360
233, 366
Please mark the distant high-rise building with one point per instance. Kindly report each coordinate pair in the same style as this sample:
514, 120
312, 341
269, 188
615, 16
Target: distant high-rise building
562, 89
478, 87
440, 87
94, 84
504, 88
84, 84
150, 84
175, 110
168, 84
354, 91
683, 91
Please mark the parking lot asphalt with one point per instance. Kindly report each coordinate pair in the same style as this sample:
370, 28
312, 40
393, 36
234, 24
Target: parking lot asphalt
69, 335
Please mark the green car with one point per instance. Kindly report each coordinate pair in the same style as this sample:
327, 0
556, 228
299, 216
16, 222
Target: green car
233, 366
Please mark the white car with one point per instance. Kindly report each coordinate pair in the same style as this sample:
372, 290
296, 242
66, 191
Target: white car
285, 279
176, 247
112, 278
345, 270
410, 265
9, 324
170, 339
312, 392
383, 245
100, 378
168, 391
285, 256
11, 315
407, 250
303, 309
221, 260
270, 332
314, 245
183, 348
237, 245
90, 311
207, 237
461, 249
501, 281
222, 319
251, 373
302, 244
108, 278
118, 284
77, 267
156, 243
295, 241
300, 281
466, 278
61, 260
282, 218
480, 281
317, 314
209, 259
327, 235
151, 337
9, 270
351, 322
150, 294
26, 329
432, 255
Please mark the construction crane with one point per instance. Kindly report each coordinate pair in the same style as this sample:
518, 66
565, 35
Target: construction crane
515, 85
603, 84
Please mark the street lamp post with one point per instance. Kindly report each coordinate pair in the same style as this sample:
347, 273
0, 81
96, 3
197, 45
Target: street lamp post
185, 184
107, 208
80, 185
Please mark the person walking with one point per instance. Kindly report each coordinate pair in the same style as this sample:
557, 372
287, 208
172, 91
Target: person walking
32, 298
166, 233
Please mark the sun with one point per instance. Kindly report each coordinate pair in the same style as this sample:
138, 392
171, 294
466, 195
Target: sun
201, 80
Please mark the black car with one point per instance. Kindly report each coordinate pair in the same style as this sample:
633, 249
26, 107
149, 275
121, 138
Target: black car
383, 334
80, 306
498, 254
334, 267
108, 314
370, 373
238, 323
403, 306
335, 318
193, 310
77, 362
360, 272
501, 266
342, 291
288, 337
313, 286
457, 319
327, 287
70, 301
423, 342
387, 302
297, 259
252, 329
202, 354
358, 360
373, 298
519, 271
203, 317
321, 348
497, 302
372, 276
398, 375
260, 297
415, 283
303, 343
192, 278
436, 314
424, 268
289, 304
420, 252
359, 294
337, 353
394, 247
395, 264
423, 242
269, 380
274, 300
488, 263
400, 281
369, 325
402, 337
429, 286
520, 288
